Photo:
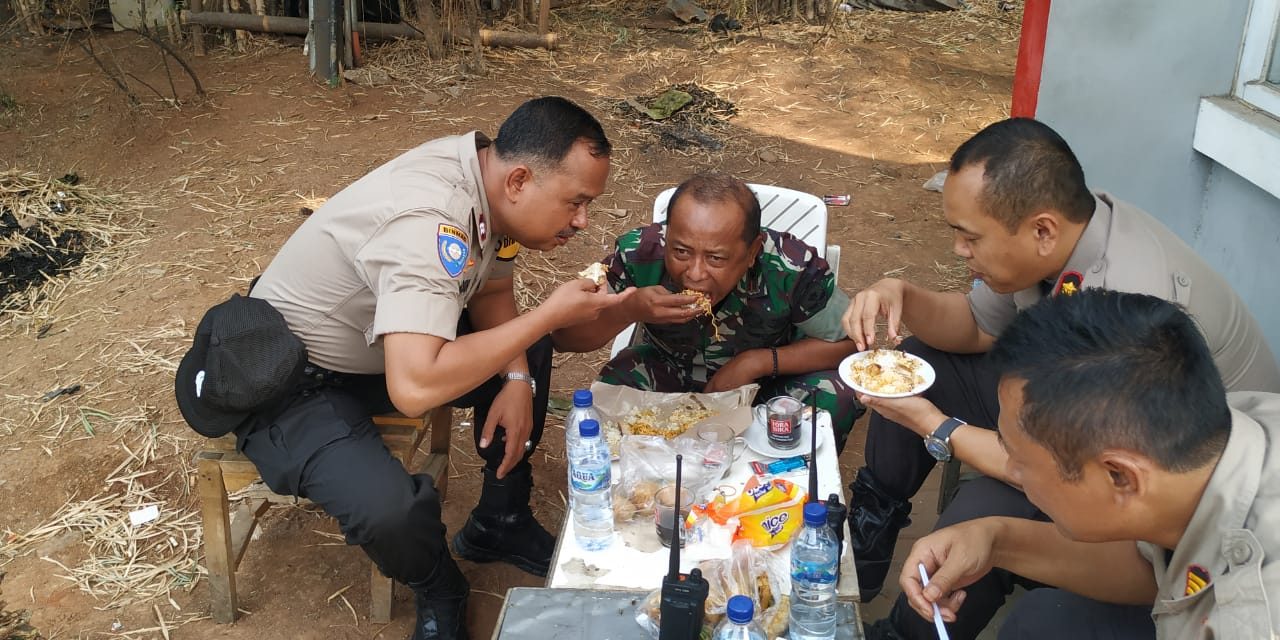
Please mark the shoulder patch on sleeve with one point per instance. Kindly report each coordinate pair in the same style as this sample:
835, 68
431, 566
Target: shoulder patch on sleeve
451, 242
508, 249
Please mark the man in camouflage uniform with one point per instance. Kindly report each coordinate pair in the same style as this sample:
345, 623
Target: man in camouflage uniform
777, 310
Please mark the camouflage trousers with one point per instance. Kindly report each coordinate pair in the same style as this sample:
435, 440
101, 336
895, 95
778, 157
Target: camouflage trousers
644, 367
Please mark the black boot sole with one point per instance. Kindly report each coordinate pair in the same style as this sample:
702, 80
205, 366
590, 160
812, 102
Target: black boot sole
472, 553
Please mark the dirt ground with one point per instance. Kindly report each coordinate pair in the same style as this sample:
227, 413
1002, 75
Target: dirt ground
871, 107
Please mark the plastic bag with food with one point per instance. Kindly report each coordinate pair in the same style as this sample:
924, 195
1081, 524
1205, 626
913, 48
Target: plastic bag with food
747, 572
634, 412
649, 462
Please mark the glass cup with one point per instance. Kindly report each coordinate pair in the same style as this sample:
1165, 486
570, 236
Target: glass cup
723, 445
664, 505
781, 418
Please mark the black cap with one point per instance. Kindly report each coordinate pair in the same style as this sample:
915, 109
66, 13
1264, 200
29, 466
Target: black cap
244, 358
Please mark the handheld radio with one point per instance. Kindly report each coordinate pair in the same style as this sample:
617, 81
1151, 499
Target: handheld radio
683, 596
836, 512
813, 445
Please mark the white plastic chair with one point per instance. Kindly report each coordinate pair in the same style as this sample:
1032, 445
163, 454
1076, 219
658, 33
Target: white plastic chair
801, 214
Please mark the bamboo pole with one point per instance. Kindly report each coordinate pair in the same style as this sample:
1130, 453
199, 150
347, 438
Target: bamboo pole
367, 30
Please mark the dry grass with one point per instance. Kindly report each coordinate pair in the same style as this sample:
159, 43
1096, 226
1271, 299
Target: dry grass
123, 563
106, 225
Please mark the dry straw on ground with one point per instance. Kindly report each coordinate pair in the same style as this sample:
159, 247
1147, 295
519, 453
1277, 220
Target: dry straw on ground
123, 563
104, 226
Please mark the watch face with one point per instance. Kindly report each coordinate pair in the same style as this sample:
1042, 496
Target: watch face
937, 448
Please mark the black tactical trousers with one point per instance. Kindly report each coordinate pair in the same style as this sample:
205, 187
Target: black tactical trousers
323, 446
966, 388
1053, 614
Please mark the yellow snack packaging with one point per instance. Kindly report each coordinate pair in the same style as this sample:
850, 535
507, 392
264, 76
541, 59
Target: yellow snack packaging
756, 495
768, 512
772, 525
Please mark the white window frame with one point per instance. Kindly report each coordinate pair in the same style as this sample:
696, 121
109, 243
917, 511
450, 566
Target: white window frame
1242, 131
1251, 78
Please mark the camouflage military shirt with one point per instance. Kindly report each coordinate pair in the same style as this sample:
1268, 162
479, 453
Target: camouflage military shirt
788, 294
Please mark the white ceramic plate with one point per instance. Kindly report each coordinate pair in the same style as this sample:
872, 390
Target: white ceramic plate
757, 437
925, 370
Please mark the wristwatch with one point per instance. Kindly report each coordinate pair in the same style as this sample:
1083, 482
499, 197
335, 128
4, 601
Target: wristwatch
523, 377
938, 443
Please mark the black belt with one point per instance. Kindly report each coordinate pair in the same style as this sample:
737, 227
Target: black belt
314, 376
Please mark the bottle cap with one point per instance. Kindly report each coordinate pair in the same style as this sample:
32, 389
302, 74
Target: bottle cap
582, 398
740, 609
590, 428
815, 513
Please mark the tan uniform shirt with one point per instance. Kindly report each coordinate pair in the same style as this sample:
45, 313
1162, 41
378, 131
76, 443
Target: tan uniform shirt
401, 250
1124, 248
1223, 580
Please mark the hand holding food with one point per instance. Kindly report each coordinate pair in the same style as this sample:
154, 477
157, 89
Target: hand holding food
596, 273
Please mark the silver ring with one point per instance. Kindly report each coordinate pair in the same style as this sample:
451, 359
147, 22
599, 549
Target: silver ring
528, 446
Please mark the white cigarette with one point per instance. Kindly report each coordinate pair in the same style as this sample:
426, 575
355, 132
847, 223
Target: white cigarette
937, 613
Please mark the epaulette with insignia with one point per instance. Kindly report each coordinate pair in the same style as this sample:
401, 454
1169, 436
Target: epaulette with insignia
1197, 579
1069, 283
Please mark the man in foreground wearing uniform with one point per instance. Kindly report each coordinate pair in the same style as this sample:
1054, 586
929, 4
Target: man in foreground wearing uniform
775, 309
400, 289
1027, 225
1117, 425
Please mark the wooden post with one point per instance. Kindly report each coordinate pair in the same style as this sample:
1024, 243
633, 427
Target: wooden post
197, 30
381, 594
544, 16
242, 36
214, 512
441, 431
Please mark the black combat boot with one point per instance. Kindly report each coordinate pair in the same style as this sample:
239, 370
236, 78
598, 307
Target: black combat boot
875, 518
442, 603
502, 526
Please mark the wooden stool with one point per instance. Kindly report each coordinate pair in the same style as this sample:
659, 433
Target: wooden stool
222, 470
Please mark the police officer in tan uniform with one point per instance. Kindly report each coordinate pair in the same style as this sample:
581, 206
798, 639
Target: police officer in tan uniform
1117, 425
400, 287
1029, 228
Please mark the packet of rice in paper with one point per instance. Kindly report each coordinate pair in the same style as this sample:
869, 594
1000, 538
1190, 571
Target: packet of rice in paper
773, 525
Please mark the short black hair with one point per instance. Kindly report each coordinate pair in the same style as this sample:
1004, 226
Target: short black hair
544, 130
1027, 168
709, 188
1108, 370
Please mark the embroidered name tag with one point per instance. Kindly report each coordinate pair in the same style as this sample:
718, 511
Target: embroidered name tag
452, 244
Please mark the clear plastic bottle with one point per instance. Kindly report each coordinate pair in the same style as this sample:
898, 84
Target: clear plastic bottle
813, 577
582, 410
738, 625
590, 477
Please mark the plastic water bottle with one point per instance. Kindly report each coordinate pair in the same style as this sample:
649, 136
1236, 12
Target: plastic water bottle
589, 484
813, 577
738, 624
582, 410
